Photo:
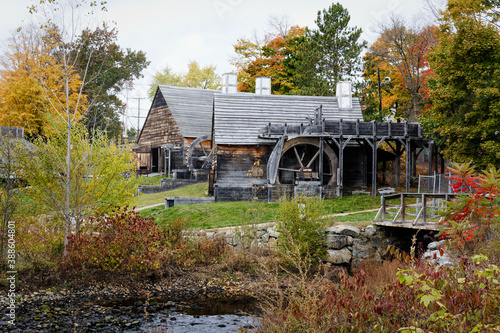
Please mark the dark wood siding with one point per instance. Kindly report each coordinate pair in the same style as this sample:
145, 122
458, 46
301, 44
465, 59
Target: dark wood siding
160, 128
355, 166
242, 164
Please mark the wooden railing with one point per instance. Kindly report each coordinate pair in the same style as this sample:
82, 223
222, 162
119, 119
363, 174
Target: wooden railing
341, 128
426, 207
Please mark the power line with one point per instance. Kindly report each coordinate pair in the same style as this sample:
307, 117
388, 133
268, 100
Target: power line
138, 111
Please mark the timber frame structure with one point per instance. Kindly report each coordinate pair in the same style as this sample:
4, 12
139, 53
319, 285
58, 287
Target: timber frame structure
399, 137
268, 147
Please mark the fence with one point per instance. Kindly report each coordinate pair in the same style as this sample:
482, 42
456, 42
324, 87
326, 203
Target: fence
425, 210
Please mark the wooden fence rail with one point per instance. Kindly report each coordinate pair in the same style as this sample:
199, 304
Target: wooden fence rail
426, 206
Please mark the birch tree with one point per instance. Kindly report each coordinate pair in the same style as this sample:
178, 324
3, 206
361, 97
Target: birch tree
68, 169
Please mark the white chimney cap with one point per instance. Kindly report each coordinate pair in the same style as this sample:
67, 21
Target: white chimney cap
263, 85
229, 83
344, 95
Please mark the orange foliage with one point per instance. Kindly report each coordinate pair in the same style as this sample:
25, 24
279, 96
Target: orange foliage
33, 88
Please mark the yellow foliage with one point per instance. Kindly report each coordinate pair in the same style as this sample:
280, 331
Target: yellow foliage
33, 90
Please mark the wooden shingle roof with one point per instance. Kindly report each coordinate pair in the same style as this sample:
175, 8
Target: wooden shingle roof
191, 108
239, 117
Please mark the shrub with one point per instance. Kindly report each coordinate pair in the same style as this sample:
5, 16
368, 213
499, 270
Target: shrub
123, 242
301, 228
426, 299
39, 240
470, 216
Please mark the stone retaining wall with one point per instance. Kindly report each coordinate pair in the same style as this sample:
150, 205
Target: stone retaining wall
177, 201
346, 245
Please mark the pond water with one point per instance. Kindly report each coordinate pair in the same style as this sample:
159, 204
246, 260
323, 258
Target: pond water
199, 315
180, 323
208, 316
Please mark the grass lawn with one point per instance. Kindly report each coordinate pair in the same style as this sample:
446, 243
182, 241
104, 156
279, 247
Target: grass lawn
223, 214
151, 180
196, 190
216, 215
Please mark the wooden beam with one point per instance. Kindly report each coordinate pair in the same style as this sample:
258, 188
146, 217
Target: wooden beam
408, 164
320, 169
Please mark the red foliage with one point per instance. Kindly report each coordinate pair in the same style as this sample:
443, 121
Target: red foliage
476, 205
123, 242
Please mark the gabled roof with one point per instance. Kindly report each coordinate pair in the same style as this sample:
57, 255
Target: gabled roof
240, 116
192, 108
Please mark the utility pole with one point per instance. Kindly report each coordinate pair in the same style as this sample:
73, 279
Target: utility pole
138, 113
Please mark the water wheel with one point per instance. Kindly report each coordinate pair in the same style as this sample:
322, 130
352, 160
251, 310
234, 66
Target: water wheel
300, 161
198, 157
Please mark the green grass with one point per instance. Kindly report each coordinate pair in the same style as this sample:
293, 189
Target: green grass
356, 219
351, 203
151, 181
217, 215
224, 214
196, 190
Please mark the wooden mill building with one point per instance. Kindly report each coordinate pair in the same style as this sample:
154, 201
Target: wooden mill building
265, 147
177, 117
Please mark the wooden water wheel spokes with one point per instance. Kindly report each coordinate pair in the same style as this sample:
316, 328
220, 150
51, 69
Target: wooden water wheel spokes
198, 157
300, 161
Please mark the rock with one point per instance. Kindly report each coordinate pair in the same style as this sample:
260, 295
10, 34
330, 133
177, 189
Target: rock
442, 260
361, 252
265, 237
331, 230
337, 257
347, 230
336, 242
350, 241
359, 241
435, 245
272, 232
45, 308
170, 304
370, 230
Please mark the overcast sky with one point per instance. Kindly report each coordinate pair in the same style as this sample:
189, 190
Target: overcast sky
175, 32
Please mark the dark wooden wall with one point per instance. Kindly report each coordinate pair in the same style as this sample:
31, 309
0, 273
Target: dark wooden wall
160, 128
242, 164
355, 167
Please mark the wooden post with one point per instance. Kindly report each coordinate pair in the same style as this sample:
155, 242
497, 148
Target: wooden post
374, 160
424, 209
320, 168
408, 164
382, 199
403, 207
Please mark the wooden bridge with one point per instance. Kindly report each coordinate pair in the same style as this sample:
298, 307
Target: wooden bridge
423, 214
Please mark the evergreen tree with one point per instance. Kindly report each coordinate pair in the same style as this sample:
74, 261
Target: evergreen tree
465, 89
330, 53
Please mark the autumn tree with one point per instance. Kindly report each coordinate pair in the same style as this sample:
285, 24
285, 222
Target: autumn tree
196, 77
68, 188
9, 183
33, 84
96, 176
108, 70
271, 57
302, 60
383, 91
406, 48
464, 89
